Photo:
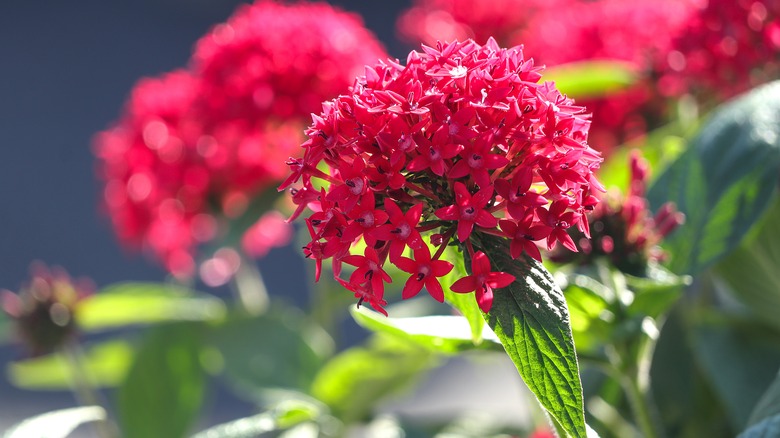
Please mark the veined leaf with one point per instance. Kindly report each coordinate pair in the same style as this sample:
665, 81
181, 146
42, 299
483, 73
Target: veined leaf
724, 181
531, 320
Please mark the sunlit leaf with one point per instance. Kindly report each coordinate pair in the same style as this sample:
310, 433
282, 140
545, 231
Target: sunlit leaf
164, 390
531, 319
56, 424
442, 333
105, 364
283, 417
724, 181
352, 382
590, 316
145, 303
588, 79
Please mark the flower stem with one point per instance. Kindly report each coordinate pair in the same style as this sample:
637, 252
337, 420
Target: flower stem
84, 390
249, 286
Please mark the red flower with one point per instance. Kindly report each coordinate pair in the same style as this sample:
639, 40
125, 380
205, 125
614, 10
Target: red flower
468, 210
365, 294
482, 281
369, 269
194, 147
424, 142
424, 272
401, 231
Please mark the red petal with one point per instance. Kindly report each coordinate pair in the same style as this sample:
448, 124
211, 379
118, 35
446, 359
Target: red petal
464, 285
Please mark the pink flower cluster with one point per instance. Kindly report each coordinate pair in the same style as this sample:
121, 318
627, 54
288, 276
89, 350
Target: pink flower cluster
727, 47
623, 228
461, 140
429, 21
194, 148
560, 32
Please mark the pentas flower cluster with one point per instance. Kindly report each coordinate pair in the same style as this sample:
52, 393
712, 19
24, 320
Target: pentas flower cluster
623, 229
727, 47
194, 147
560, 32
429, 21
462, 140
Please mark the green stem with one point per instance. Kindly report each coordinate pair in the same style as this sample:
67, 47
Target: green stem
84, 390
249, 286
640, 406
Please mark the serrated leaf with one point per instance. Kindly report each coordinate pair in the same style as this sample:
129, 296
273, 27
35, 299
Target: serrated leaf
752, 269
531, 319
768, 405
724, 181
352, 382
106, 364
440, 333
768, 428
56, 424
590, 79
164, 390
126, 304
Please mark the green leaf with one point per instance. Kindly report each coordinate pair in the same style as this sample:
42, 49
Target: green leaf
591, 317
740, 359
145, 303
354, 381
589, 79
440, 333
531, 319
164, 390
464, 303
56, 424
768, 405
655, 294
106, 364
275, 351
768, 428
724, 181
752, 269
660, 148
282, 417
